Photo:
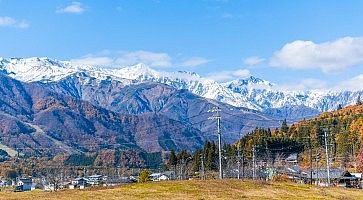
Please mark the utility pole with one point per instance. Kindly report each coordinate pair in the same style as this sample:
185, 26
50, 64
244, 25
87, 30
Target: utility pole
217, 116
238, 161
202, 159
327, 156
253, 163
239, 157
243, 165
317, 158
118, 171
311, 160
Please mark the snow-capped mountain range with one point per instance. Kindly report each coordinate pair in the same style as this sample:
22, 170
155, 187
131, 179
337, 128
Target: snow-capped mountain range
253, 93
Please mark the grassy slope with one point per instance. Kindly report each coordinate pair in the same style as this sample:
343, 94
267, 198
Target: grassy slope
213, 189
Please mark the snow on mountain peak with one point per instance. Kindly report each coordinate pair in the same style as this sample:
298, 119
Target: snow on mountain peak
251, 80
251, 92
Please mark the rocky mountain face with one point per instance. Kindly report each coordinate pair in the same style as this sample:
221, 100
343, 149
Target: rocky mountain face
252, 92
35, 119
152, 97
66, 107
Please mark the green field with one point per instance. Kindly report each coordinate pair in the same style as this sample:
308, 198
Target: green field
212, 189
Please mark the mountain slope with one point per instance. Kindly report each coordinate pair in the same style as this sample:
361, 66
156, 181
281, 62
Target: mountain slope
38, 120
151, 97
252, 93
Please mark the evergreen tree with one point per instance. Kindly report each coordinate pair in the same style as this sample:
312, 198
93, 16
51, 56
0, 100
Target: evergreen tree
173, 160
197, 160
359, 101
284, 127
183, 155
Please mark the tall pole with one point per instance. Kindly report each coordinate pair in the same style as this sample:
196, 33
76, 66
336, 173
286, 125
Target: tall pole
218, 117
327, 157
118, 171
219, 144
202, 159
238, 161
317, 158
253, 163
243, 165
311, 161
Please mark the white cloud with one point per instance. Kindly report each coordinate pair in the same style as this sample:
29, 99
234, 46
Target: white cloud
108, 58
74, 8
304, 84
93, 60
229, 75
353, 84
193, 61
253, 60
328, 56
151, 59
6, 21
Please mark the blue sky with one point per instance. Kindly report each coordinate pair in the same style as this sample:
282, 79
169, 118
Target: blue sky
307, 44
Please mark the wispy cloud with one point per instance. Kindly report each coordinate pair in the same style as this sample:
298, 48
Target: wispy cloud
6, 21
304, 84
253, 60
353, 84
223, 76
127, 58
74, 8
330, 56
193, 62
151, 59
94, 60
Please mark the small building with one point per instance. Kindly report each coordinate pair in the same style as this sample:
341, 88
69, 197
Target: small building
96, 179
155, 176
164, 176
348, 180
292, 159
24, 184
80, 182
337, 177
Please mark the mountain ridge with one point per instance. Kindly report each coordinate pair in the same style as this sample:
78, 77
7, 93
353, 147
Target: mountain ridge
253, 93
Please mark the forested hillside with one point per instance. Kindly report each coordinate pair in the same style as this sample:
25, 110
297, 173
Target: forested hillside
342, 128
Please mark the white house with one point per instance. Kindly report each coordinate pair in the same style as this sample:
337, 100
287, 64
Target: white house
164, 178
96, 179
80, 181
159, 177
24, 184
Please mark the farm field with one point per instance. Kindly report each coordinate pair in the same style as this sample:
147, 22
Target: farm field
195, 189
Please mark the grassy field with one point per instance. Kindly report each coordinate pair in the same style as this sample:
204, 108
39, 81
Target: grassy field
212, 189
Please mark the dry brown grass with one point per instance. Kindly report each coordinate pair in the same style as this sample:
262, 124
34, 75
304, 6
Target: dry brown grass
211, 189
